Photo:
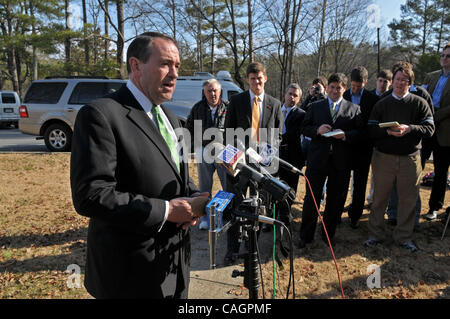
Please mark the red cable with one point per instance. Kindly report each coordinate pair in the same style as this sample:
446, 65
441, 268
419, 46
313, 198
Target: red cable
328, 238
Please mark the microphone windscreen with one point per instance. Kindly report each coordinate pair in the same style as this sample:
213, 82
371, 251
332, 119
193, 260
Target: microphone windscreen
198, 206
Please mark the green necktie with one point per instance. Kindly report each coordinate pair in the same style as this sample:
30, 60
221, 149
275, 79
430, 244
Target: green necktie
333, 109
166, 135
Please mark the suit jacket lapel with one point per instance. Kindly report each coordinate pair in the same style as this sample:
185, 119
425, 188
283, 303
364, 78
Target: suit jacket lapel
444, 92
267, 111
342, 109
247, 110
290, 116
173, 119
137, 115
434, 82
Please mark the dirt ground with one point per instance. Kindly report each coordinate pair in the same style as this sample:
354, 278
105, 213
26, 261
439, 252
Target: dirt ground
42, 238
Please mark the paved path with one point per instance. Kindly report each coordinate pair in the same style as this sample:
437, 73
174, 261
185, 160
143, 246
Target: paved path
12, 140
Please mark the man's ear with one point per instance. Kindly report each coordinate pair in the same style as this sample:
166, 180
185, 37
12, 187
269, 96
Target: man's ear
135, 65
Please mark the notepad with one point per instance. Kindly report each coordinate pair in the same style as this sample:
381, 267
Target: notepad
388, 124
334, 133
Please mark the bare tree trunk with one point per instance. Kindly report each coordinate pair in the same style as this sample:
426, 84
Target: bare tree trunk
10, 51
19, 72
34, 63
199, 38
120, 38
295, 15
425, 25
284, 56
67, 42
250, 30
213, 36
441, 28
86, 40
106, 30
321, 40
237, 75
174, 22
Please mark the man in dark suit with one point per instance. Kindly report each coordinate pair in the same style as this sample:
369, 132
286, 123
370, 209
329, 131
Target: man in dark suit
329, 157
363, 150
255, 112
128, 178
290, 147
438, 85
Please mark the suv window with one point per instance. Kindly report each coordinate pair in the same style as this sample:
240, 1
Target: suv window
8, 98
85, 92
230, 93
45, 92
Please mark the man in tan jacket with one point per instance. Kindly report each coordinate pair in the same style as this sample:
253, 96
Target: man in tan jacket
438, 85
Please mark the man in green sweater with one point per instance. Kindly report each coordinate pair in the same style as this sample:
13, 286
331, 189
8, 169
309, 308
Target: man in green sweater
396, 157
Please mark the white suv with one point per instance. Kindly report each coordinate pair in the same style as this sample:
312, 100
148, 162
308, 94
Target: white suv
50, 106
9, 108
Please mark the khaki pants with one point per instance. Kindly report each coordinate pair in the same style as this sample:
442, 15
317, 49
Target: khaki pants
406, 171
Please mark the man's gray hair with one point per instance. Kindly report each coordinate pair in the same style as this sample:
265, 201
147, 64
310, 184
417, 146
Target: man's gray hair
294, 86
211, 81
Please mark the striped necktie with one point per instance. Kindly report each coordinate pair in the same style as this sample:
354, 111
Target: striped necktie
166, 135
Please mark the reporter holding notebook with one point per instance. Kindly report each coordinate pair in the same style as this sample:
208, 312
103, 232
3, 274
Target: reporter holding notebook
396, 157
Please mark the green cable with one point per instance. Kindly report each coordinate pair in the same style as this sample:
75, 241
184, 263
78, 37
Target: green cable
273, 254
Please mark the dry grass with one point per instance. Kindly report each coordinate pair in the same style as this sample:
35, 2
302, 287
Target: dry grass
41, 235
424, 274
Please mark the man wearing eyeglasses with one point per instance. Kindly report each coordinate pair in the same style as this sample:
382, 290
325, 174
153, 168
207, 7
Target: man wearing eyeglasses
396, 156
438, 85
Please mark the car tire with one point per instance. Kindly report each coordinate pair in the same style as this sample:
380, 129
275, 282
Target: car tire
58, 138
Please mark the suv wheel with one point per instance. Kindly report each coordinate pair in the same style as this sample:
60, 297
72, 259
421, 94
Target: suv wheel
58, 138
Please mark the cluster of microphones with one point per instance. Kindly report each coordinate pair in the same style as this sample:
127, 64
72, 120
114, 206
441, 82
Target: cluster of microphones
233, 159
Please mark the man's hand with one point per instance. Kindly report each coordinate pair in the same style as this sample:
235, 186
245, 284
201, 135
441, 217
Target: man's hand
180, 210
399, 131
324, 128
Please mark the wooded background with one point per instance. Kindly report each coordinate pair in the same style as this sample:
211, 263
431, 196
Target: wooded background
296, 39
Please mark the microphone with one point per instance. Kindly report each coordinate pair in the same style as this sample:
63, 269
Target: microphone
229, 157
234, 160
268, 155
198, 206
215, 209
256, 159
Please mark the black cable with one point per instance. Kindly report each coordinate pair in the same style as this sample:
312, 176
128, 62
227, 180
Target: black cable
291, 254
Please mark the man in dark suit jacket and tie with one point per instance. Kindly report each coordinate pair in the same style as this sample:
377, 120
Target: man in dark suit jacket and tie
329, 157
255, 112
127, 176
363, 150
290, 147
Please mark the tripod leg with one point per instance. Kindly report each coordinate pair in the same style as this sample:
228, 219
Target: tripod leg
252, 265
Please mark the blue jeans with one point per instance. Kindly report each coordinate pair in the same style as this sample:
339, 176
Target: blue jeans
392, 205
